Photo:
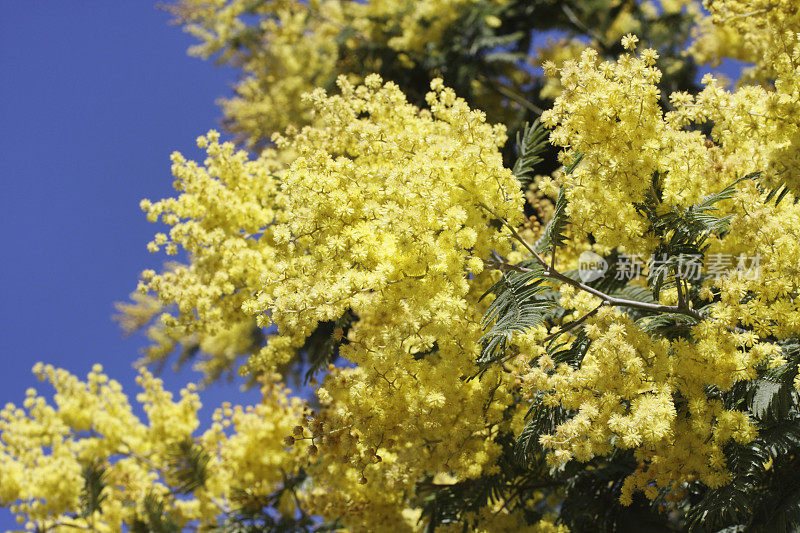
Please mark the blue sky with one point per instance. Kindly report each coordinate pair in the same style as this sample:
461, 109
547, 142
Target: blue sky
95, 96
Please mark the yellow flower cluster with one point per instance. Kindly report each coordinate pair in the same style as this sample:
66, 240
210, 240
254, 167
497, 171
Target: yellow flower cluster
407, 26
45, 449
757, 122
213, 354
385, 212
622, 18
762, 33
555, 53
635, 391
298, 46
285, 48
394, 236
348, 247
393, 223
623, 396
610, 113
223, 219
768, 232
292, 51
372, 208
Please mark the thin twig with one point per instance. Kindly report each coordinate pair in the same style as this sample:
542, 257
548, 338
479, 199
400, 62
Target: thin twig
681, 301
572, 324
511, 94
581, 26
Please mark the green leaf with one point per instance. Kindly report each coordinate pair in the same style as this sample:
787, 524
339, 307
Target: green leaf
784, 518
542, 420
726, 506
531, 143
322, 346
683, 231
772, 193
781, 191
92, 496
781, 196
553, 235
569, 169
188, 465
670, 325
769, 398
517, 307
574, 354
772, 397
154, 519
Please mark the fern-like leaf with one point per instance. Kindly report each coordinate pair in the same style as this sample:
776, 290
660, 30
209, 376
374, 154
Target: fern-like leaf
553, 235
531, 143
154, 518
517, 307
92, 496
188, 464
687, 230
781, 192
669, 325
322, 347
542, 420
770, 399
574, 353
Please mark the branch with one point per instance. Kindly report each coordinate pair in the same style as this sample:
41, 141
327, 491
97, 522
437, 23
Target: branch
681, 302
516, 235
573, 18
577, 322
552, 273
67, 524
606, 298
510, 94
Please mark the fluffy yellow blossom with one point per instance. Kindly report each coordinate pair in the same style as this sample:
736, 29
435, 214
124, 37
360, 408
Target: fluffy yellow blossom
285, 48
632, 390
408, 200
377, 160
298, 46
226, 228
553, 56
610, 113
761, 32
46, 450
406, 277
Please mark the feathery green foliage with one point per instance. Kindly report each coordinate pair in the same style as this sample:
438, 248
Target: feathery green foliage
189, 466
553, 235
532, 141
94, 483
255, 513
519, 305
541, 420
154, 518
682, 232
322, 346
514, 484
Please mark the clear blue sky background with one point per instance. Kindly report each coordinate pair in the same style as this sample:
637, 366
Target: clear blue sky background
95, 96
